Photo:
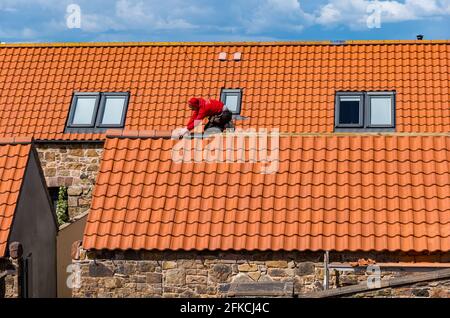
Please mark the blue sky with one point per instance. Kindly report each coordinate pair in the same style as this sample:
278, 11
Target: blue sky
221, 20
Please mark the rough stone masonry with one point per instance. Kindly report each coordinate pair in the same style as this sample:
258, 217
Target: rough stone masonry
216, 274
74, 166
8, 278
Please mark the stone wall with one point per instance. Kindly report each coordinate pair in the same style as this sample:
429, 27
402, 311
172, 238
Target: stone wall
11, 287
222, 274
9, 283
75, 166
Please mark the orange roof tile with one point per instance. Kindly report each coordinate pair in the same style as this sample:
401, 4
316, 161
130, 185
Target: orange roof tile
331, 192
286, 85
14, 153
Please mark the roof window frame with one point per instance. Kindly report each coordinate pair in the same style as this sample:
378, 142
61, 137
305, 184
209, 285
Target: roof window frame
232, 91
102, 105
73, 107
369, 95
339, 95
366, 115
95, 126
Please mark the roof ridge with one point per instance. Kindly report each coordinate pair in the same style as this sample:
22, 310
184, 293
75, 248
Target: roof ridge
15, 140
163, 134
230, 43
138, 134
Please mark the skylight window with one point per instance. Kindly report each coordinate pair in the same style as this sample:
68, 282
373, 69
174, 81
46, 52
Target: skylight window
97, 111
113, 110
370, 111
381, 110
84, 108
232, 98
350, 112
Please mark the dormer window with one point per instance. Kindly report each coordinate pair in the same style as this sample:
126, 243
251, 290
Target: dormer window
97, 111
232, 98
369, 111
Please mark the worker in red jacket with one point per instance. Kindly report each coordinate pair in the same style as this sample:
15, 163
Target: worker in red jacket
202, 108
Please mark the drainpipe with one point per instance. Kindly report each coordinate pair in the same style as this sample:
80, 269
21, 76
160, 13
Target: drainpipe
326, 275
16, 253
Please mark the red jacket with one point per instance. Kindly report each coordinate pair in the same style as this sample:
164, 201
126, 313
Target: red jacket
207, 108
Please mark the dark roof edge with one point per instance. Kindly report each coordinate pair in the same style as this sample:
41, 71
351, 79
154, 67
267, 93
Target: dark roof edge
165, 135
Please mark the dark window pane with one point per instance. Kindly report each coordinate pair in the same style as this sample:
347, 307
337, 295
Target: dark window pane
349, 110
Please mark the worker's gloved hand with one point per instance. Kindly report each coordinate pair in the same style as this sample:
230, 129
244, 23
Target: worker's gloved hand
179, 133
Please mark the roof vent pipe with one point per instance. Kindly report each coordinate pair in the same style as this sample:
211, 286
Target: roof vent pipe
419, 37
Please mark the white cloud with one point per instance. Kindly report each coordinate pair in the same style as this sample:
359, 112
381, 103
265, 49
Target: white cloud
98, 23
284, 5
150, 15
354, 13
204, 19
133, 12
329, 14
7, 9
23, 33
270, 15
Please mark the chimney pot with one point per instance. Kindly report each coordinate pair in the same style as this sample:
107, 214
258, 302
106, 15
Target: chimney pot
419, 37
222, 56
15, 250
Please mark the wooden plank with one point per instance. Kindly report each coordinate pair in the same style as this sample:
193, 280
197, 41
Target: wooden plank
410, 279
261, 289
326, 274
335, 265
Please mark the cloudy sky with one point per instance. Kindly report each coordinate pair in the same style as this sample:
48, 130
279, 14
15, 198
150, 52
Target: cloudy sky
221, 20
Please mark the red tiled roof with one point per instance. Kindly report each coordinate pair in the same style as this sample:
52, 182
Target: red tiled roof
331, 192
14, 153
290, 86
